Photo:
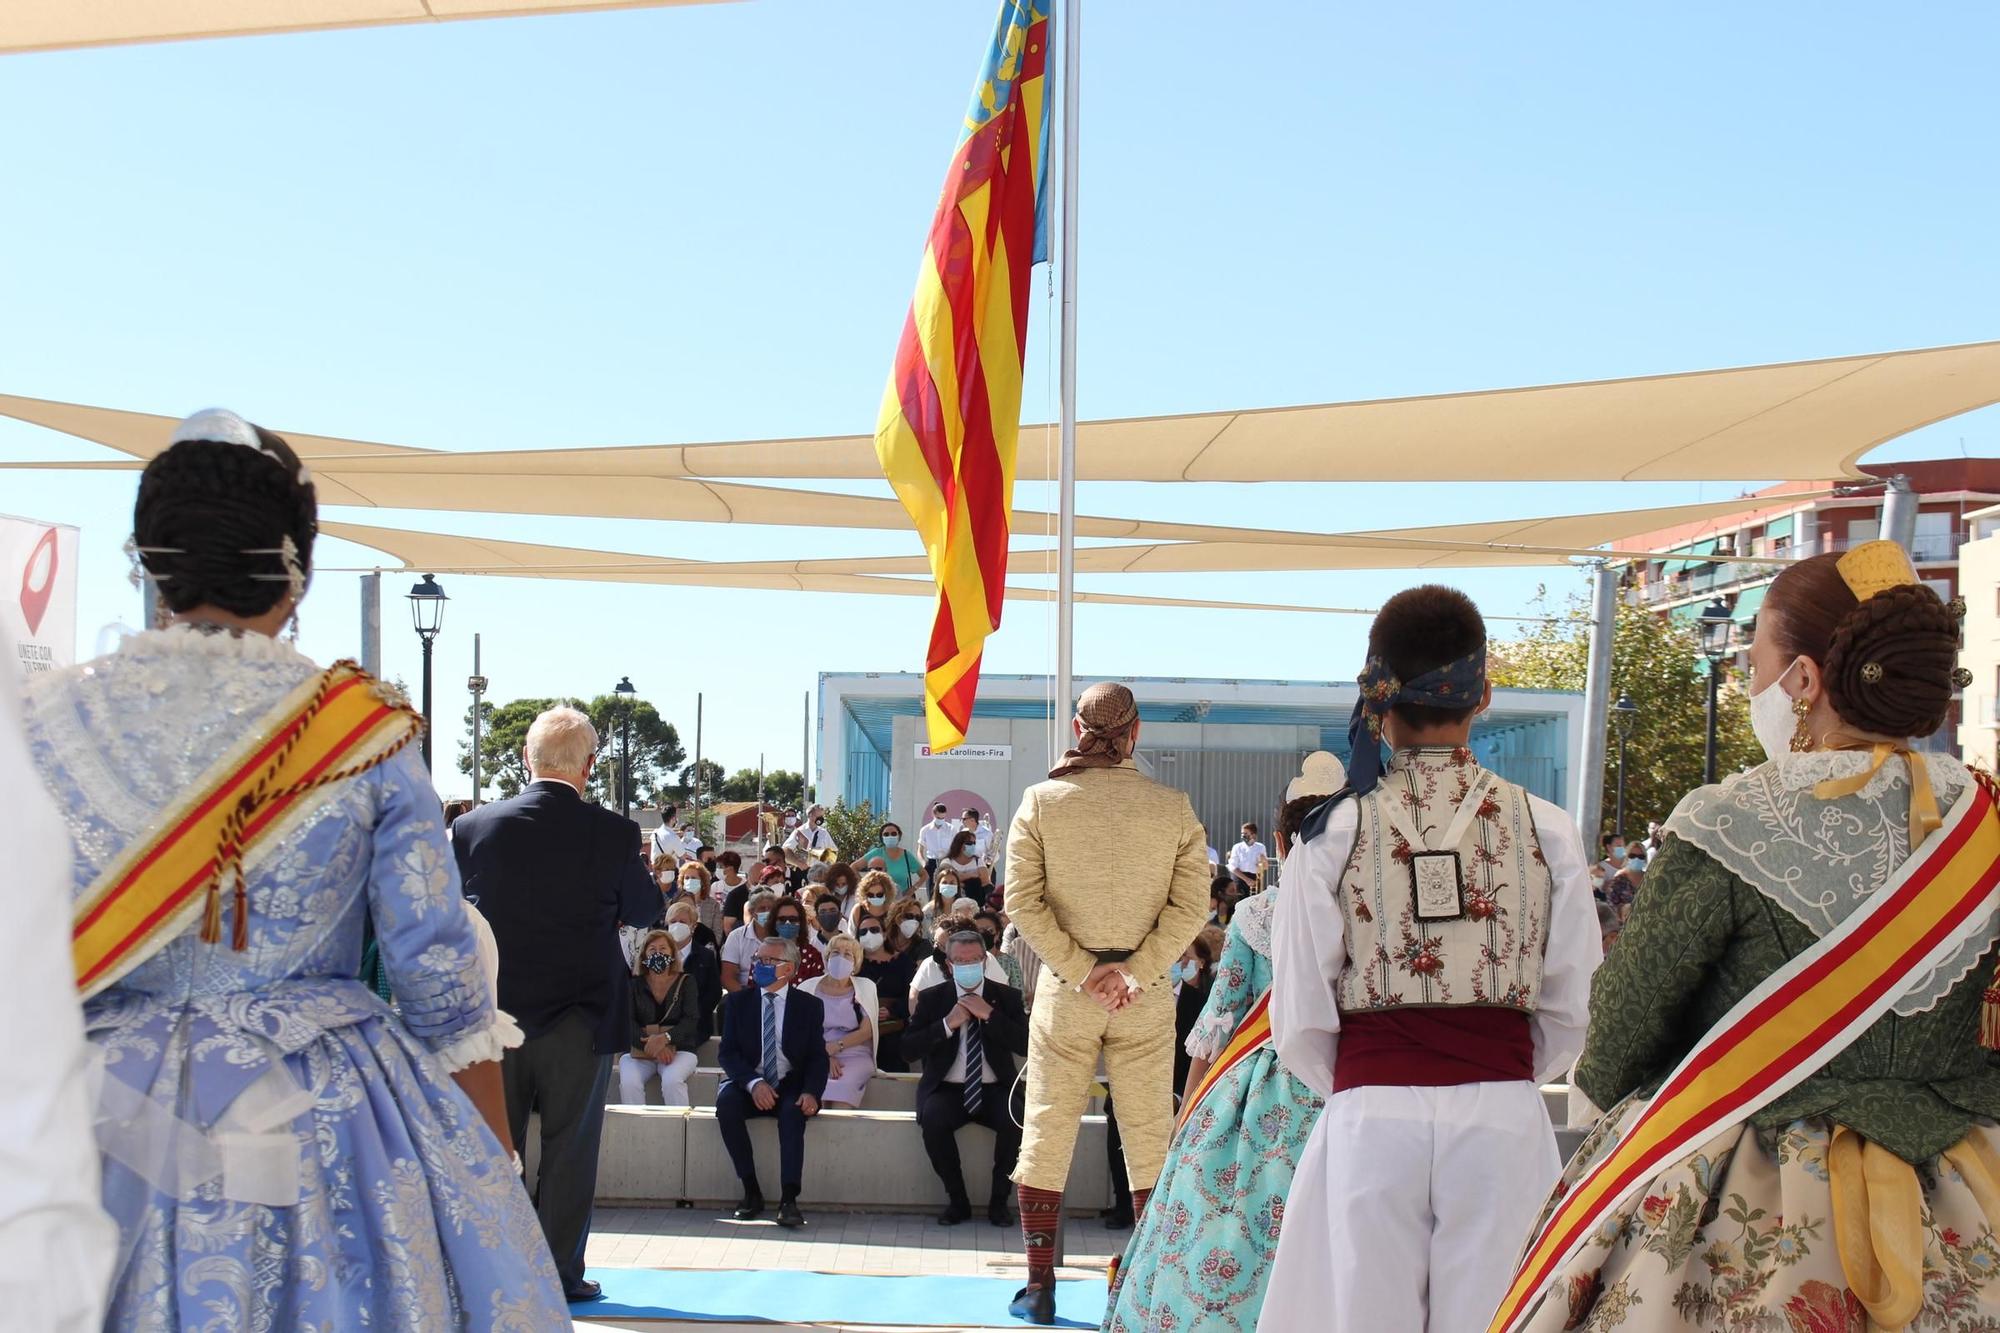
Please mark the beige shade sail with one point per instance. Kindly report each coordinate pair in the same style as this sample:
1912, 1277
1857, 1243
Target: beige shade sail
1794, 421
42, 25
441, 553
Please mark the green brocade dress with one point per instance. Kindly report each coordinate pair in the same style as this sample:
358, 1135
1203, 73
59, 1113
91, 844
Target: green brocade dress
1739, 1235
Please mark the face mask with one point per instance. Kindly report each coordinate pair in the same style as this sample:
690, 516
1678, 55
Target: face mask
1771, 716
1617, 854
691, 887
681, 931
656, 963
871, 940
892, 840
765, 974
840, 967
908, 927
876, 900
1181, 973
788, 930
828, 920
763, 918
947, 890
969, 976
989, 941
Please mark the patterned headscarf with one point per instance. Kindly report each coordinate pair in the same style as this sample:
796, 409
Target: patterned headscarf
1108, 712
1454, 685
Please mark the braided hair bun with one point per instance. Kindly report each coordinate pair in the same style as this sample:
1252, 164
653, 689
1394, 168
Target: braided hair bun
213, 515
1888, 662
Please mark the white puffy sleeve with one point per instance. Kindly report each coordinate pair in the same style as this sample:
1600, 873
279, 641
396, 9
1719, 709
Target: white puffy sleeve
1309, 950
1575, 946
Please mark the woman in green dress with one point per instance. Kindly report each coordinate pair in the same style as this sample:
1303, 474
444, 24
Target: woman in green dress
1863, 1197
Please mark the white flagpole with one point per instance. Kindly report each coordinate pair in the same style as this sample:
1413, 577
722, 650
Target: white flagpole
1065, 695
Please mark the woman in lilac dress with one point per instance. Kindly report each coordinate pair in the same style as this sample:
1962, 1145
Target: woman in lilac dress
849, 1000
281, 1150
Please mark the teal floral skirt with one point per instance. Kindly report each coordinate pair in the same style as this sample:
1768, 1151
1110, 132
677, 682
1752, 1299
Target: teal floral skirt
1203, 1249
1740, 1235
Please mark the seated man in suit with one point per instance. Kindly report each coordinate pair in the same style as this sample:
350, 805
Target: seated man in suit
968, 1032
773, 1063
556, 875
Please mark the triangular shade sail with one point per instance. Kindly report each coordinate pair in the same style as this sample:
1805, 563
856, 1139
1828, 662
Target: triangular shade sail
1794, 421
40, 25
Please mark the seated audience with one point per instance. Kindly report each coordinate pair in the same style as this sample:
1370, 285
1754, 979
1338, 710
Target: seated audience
773, 1063
875, 894
963, 859
888, 967
827, 912
740, 949
968, 1031
839, 884
1193, 977
897, 861
850, 1001
788, 923
696, 886
732, 889
698, 960
987, 922
666, 1025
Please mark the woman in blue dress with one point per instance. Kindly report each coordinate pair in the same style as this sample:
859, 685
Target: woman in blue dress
281, 1150
1204, 1244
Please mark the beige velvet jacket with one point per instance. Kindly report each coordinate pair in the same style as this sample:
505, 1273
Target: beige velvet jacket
1107, 859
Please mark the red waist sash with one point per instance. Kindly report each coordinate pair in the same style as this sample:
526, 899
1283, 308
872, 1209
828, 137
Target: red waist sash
1433, 1048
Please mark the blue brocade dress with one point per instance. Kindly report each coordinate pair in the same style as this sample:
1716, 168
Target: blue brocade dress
1204, 1246
281, 1151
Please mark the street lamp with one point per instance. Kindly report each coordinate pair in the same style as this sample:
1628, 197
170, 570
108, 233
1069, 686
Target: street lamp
427, 601
625, 748
1716, 626
1623, 714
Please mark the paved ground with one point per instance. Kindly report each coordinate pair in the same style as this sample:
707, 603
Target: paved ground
869, 1243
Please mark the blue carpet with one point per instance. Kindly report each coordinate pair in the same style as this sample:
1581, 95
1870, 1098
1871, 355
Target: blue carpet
746, 1296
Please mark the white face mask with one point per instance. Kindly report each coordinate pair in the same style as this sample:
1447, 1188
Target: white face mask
681, 931
1771, 716
871, 940
908, 927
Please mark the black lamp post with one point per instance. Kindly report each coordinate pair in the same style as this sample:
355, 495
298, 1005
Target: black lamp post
625, 690
427, 601
1716, 626
1623, 714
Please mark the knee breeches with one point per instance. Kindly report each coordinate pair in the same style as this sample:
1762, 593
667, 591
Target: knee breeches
1068, 1034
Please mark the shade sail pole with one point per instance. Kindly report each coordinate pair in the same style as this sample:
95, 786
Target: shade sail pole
1596, 704
1065, 693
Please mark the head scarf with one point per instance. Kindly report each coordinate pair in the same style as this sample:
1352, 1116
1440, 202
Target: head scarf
1454, 685
1108, 713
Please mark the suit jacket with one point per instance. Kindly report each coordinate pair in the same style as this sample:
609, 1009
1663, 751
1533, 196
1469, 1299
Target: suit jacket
803, 1040
1004, 1040
556, 876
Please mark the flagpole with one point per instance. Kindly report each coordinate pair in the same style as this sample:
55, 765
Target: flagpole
1065, 694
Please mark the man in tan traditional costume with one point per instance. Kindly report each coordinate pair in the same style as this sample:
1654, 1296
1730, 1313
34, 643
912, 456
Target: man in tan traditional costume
1107, 877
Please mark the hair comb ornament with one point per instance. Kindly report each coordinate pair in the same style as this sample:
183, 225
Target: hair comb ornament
222, 426
1874, 567
1871, 673
139, 573
1961, 677
1957, 608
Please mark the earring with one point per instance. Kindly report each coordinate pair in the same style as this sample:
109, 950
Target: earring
1802, 740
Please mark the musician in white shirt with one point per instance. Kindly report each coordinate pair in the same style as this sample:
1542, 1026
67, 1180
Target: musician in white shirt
934, 839
1248, 858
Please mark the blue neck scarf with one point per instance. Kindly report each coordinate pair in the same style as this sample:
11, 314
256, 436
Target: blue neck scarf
1454, 685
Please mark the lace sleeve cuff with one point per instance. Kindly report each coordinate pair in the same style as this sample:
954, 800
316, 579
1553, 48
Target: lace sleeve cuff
489, 1042
1209, 1035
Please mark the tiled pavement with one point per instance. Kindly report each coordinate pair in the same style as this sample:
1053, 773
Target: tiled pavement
831, 1242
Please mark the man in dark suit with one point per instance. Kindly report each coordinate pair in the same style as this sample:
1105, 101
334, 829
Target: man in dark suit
773, 1063
556, 876
968, 1032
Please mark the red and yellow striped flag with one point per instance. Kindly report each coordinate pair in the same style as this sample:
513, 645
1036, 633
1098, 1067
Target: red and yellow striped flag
952, 411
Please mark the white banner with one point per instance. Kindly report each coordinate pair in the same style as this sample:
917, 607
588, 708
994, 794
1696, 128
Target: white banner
38, 592
991, 752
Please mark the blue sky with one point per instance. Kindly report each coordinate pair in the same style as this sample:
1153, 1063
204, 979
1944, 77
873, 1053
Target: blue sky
703, 223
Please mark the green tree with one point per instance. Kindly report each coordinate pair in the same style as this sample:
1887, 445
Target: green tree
780, 787
1658, 662
854, 828
712, 778
656, 746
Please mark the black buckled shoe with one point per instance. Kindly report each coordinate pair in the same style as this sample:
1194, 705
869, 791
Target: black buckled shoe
1037, 1305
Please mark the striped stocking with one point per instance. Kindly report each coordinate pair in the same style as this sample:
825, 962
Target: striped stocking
1041, 1215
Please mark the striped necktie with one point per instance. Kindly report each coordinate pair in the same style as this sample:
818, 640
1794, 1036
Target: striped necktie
771, 1040
975, 1063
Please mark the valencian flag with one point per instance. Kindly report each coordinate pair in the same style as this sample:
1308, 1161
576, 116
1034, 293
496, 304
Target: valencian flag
952, 411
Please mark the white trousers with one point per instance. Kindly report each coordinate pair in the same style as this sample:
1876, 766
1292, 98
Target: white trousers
1409, 1209
634, 1073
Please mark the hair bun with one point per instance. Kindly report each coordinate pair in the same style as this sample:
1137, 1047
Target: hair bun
1890, 663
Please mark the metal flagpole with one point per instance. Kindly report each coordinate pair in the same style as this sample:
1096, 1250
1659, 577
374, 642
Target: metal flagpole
478, 687
1065, 699
371, 623
805, 763
1596, 705
697, 763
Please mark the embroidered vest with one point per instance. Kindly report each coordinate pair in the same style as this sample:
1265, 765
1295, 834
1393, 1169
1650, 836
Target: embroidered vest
1491, 951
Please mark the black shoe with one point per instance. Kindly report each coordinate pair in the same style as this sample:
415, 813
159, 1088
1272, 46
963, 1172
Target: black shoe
585, 1290
1037, 1305
1001, 1213
752, 1206
1119, 1218
958, 1210
789, 1215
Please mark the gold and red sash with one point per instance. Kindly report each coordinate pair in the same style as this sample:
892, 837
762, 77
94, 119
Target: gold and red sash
1796, 1021
336, 725
1252, 1035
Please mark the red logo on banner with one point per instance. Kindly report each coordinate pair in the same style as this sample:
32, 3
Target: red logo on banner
38, 580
